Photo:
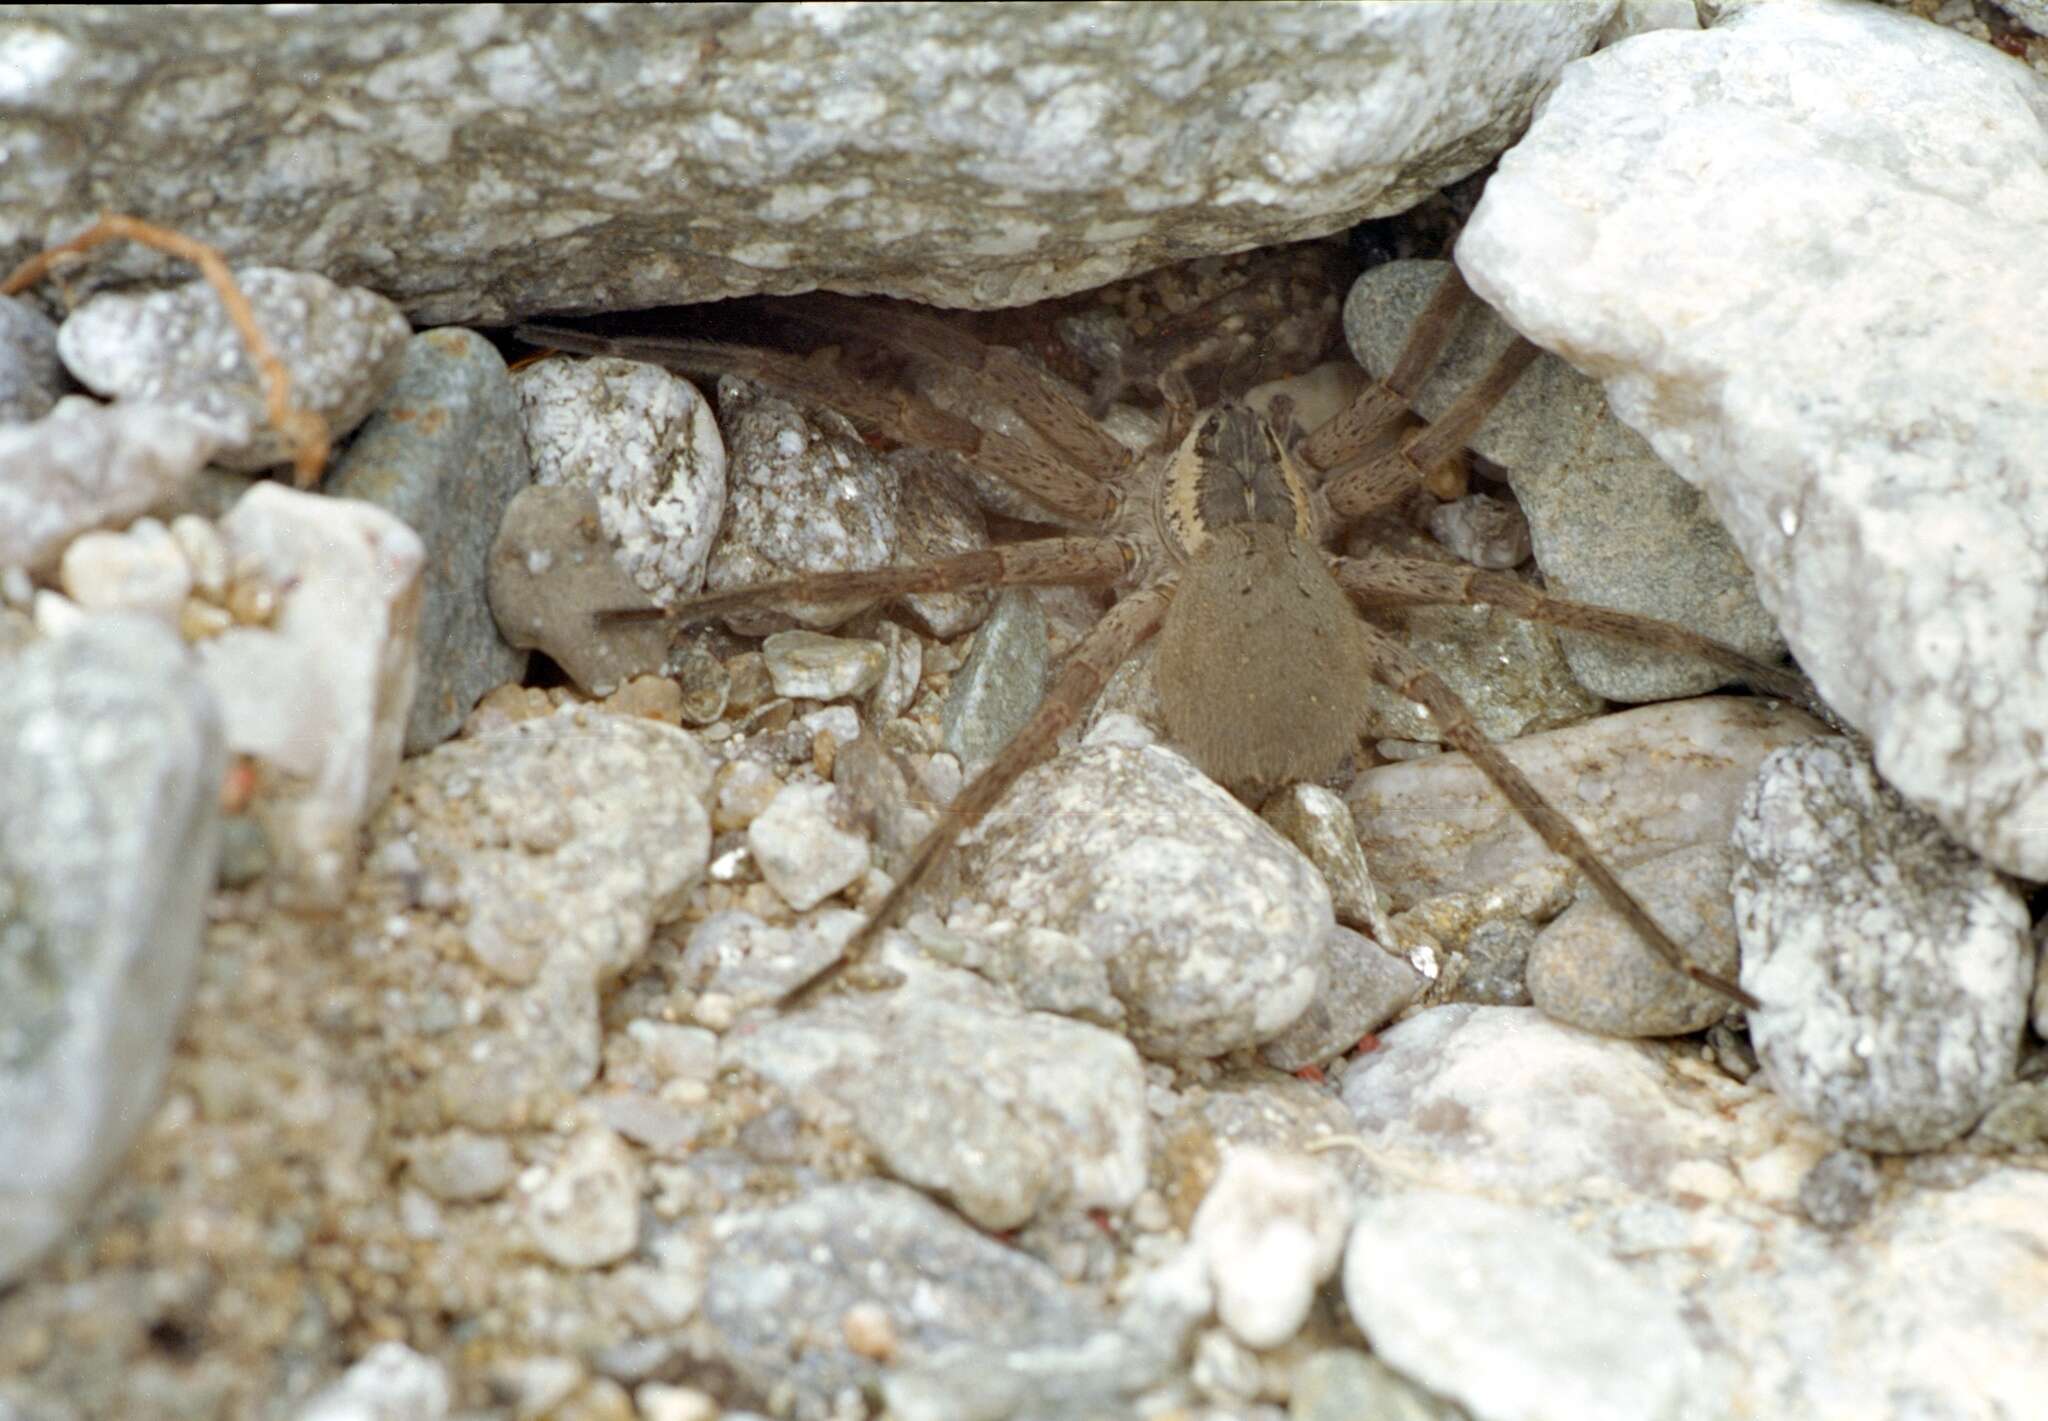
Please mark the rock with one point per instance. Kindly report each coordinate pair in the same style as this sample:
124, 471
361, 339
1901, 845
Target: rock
1894, 966
443, 453
1342, 1385
884, 150
784, 1277
587, 1212
1832, 390
140, 570
804, 494
1692, 1181
1001, 684
1364, 988
1465, 1295
1510, 673
805, 846
752, 963
1254, 1110
1316, 821
1004, 1114
321, 695
644, 442
551, 572
822, 668
1270, 1231
342, 348
1838, 1192
1104, 867
31, 377
110, 750
1610, 523
1482, 530
84, 465
1592, 969
1637, 784
460, 1166
391, 1383
565, 840
937, 518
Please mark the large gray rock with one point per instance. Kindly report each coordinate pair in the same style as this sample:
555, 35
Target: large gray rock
110, 765
1710, 223
478, 164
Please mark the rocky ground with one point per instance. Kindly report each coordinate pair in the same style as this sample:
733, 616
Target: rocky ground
393, 962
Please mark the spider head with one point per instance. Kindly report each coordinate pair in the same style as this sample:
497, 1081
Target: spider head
1230, 469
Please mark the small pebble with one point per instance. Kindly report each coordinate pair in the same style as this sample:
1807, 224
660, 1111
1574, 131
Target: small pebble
587, 1214
869, 1331
822, 668
1838, 1192
805, 851
1271, 1230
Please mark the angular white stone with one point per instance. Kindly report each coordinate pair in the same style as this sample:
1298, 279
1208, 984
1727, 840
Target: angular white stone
587, 1213
804, 853
321, 695
1270, 1229
1712, 224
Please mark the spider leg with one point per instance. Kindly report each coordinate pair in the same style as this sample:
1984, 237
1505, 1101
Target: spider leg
900, 417
1372, 453
1402, 672
1384, 580
1041, 562
1079, 681
1001, 375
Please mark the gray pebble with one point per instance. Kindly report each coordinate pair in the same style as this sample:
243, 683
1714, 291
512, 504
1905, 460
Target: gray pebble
1838, 1192
1496, 961
1345, 1385
1592, 969
443, 452
31, 376
1482, 530
1001, 1112
1364, 988
1002, 682
1317, 821
784, 1278
342, 346
739, 956
1893, 964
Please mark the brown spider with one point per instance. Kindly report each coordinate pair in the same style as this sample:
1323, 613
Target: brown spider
1213, 542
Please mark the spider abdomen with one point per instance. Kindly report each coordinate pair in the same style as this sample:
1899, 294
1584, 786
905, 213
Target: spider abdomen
1261, 664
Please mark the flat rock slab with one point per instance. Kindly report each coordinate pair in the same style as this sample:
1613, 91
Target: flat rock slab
1710, 223
479, 165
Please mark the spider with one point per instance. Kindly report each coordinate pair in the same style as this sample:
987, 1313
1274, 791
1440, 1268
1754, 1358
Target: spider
1213, 542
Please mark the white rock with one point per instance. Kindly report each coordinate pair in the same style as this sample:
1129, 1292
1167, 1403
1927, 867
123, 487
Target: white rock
1693, 1181
822, 668
204, 552
645, 444
1270, 1230
804, 852
320, 695
86, 464
342, 347
140, 570
391, 1383
1638, 784
1709, 223
1513, 1315
1894, 967
587, 1213
1122, 885
1002, 1112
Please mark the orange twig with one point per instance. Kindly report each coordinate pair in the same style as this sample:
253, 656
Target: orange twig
306, 431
